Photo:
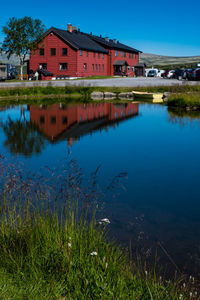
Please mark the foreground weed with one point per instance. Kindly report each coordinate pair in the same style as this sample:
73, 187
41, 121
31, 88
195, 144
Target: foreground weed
49, 252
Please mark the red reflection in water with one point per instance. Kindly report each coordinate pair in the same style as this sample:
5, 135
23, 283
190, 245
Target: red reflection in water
72, 121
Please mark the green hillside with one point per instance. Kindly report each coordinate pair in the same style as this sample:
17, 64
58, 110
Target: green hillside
165, 61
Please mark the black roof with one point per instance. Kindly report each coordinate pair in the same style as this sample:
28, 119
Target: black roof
120, 63
114, 44
142, 65
77, 40
77, 130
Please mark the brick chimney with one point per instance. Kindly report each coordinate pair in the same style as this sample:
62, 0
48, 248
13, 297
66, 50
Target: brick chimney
69, 27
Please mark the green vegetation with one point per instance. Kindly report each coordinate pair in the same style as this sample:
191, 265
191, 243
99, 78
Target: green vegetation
21, 36
168, 62
185, 100
43, 258
175, 66
85, 91
53, 253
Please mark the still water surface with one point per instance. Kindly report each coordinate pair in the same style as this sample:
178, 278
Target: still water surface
158, 149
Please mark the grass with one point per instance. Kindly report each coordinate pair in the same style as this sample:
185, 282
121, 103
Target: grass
182, 100
42, 257
85, 91
51, 254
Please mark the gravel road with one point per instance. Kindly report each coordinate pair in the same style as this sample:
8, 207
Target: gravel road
112, 82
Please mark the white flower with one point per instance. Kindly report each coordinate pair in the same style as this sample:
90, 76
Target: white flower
93, 253
180, 296
69, 245
70, 238
105, 220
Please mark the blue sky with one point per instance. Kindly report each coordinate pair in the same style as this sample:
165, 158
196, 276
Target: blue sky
161, 27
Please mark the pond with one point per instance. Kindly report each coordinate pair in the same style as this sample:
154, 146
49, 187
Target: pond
157, 209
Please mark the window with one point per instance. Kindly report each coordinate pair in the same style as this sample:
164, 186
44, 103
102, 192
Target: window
84, 66
124, 54
132, 68
64, 120
129, 68
99, 68
102, 55
62, 106
129, 55
43, 106
102, 68
121, 53
42, 119
41, 51
64, 51
94, 54
98, 55
3, 69
43, 66
81, 52
63, 66
96, 68
53, 51
87, 53
93, 67
116, 53
53, 120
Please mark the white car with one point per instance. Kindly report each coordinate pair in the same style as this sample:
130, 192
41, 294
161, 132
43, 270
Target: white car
160, 72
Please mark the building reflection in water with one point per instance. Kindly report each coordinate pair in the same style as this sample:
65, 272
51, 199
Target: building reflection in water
61, 122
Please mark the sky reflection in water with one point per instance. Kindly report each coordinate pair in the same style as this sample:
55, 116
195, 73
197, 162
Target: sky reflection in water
159, 149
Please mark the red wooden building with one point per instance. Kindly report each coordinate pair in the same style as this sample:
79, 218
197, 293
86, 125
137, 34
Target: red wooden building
72, 53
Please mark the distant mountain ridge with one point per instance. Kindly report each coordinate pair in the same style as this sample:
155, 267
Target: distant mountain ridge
14, 60
147, 58
161, 60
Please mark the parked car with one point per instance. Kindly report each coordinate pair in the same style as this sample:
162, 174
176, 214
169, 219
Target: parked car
171, 74
195, 74
164, 75
187, 74
160, 73
152, 73
198, 74
178, 74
